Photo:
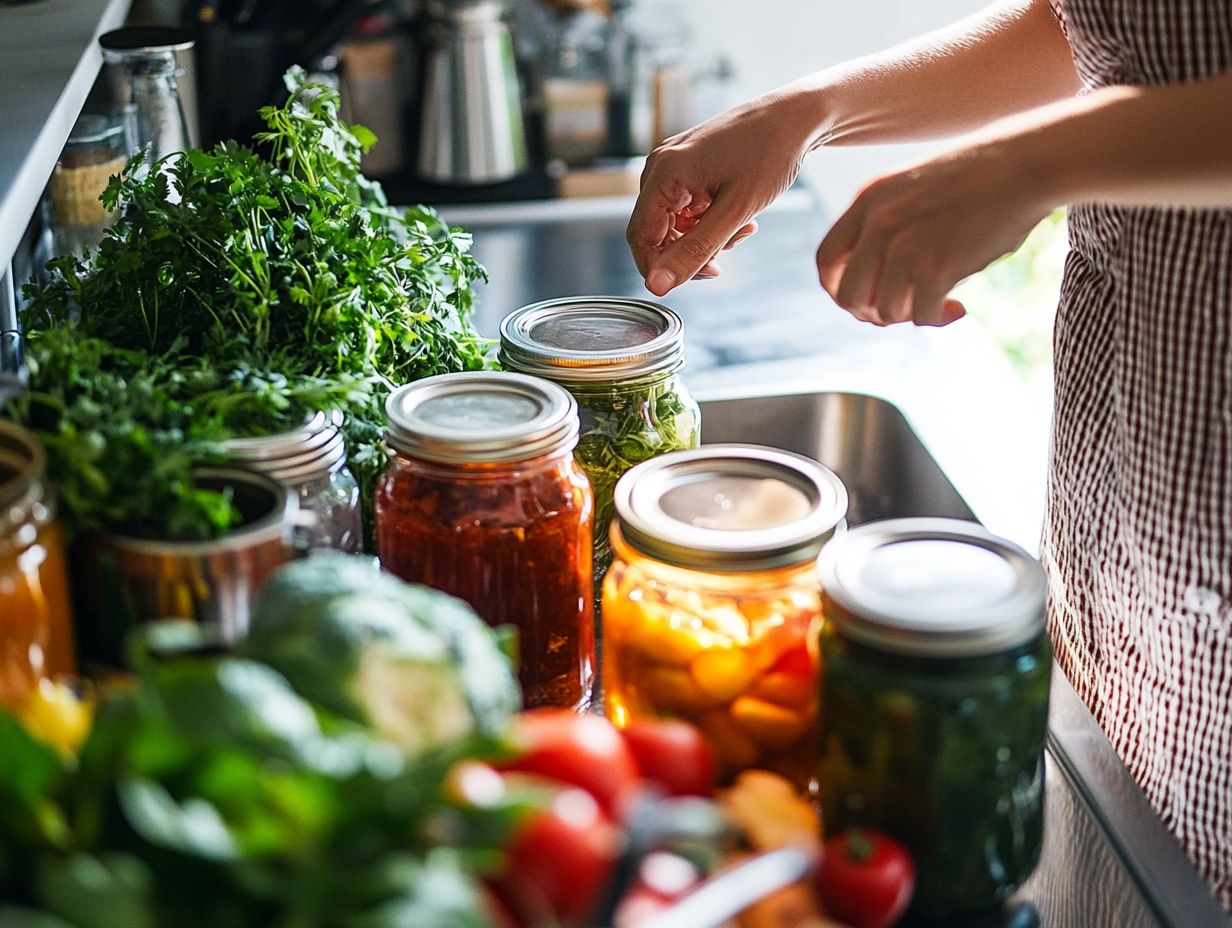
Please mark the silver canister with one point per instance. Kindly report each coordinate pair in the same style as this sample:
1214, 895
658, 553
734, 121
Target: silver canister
311, 462
214, 582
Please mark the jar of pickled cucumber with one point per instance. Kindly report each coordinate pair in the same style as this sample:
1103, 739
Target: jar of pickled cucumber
935, 702
712, 605
621, 359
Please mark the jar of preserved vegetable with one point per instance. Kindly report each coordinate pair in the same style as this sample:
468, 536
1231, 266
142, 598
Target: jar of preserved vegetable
621, 360
36, 640
482, 499
935, 702
311, 461
712, 604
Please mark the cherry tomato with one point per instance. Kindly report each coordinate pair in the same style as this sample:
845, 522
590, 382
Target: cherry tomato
559, 860
581, 750
865, 879
675, 755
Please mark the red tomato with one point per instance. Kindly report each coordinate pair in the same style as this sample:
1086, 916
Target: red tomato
581, 750
865, 879
674, 755
559, 860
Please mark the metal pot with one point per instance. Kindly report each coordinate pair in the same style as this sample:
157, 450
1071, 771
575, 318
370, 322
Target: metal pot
211, 582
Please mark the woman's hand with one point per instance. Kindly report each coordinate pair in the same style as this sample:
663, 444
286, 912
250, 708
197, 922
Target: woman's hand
701, 189
911, 236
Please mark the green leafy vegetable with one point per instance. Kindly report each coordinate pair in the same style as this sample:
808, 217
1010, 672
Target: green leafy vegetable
241, 292
218, 792
623, 425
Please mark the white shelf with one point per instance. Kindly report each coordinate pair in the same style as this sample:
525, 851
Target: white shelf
49, 58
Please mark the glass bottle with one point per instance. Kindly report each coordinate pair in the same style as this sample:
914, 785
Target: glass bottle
712, 605
482, 499
935, 703
145, 74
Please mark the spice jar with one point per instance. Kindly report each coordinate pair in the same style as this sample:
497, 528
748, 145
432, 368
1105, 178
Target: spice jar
482, 499
621, 360
712, 605
935, 702
94, 152
35, 621
311, 461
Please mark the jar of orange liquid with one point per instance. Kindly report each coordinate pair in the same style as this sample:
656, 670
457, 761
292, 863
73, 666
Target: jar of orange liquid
36, 640
712, 606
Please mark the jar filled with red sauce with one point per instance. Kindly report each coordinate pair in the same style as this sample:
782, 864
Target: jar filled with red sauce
482, 499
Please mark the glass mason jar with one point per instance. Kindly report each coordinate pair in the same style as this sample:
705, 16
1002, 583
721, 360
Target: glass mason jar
36, 639
311, 461
712, 605
482, 499
935, 703
621, 360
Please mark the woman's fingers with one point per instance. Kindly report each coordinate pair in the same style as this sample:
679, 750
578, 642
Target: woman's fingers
745, 231
682, 259
836, 249
655, 215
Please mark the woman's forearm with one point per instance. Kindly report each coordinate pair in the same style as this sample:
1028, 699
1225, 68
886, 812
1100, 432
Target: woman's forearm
1009, 57
1165, 146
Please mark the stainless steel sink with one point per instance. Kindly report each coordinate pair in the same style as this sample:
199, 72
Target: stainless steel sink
865, 440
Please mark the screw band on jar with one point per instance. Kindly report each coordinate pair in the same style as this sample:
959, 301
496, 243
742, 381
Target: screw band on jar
484, 417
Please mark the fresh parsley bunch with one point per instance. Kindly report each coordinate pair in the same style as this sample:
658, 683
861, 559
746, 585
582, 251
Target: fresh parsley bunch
249, 286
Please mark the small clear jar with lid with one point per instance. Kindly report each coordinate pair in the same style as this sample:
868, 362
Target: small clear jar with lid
482, 499
712, 605
311, 461
621, 360
935, 703
36, 641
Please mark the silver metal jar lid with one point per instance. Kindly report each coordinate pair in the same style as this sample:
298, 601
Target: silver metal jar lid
730, 507
592, 338
480, 417
932, 588
297, 456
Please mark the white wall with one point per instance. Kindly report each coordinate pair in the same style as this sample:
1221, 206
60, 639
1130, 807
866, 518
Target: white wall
771, 42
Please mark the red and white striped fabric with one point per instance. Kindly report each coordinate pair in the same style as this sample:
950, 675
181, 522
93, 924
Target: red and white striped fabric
1138, 538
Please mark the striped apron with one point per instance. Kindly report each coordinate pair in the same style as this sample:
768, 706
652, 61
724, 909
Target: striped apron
1138, 534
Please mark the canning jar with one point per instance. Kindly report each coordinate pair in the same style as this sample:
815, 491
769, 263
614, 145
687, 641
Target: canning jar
713, 603
35, 620
482, 499
621, 360
311, 461
935, 702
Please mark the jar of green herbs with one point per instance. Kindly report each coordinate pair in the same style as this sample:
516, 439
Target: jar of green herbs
934, 703
621, 359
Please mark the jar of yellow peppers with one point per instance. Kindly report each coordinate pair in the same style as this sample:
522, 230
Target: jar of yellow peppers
712, 606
